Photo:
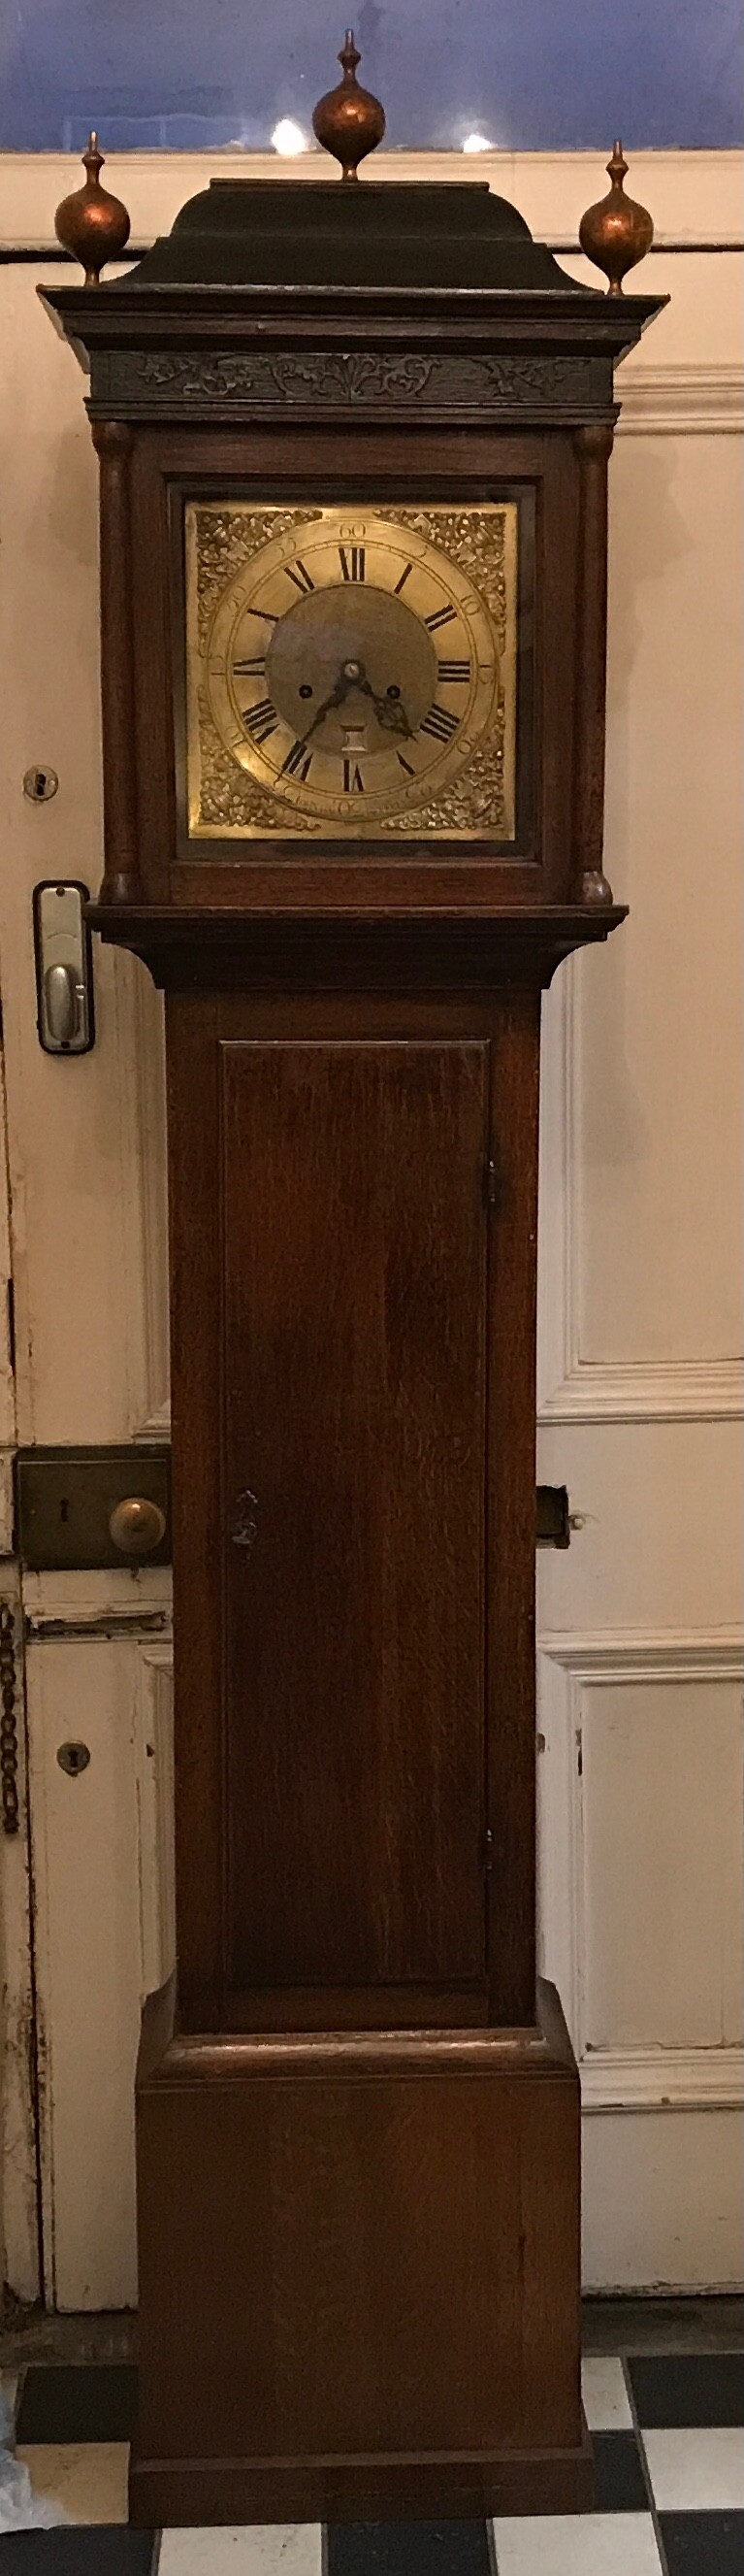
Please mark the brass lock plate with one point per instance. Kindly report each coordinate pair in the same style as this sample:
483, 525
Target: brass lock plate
66, 1500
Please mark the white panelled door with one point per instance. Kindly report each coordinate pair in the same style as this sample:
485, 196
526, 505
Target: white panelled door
640, 1622
87, 1192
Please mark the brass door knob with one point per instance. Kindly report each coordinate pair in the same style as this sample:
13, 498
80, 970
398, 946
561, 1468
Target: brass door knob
137, 1525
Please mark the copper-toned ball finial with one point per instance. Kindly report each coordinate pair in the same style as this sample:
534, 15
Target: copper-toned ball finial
90, 223
349, 122
616, 233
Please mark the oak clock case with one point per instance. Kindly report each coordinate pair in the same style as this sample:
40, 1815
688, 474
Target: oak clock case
353, 446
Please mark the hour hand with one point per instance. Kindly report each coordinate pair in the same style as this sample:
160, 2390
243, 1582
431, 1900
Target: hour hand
334, 699
391, 714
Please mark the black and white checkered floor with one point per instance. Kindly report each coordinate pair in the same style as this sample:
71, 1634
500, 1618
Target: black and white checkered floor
669, 2457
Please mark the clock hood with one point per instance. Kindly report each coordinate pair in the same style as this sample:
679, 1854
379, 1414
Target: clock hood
290, 233
418, 290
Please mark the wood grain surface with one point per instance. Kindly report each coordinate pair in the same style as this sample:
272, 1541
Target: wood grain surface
354, 1276
436, 2243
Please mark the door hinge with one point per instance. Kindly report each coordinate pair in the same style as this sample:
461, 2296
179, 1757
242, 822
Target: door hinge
487, 1850
491, 1182
8, 1722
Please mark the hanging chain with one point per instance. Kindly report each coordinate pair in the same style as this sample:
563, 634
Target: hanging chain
8, 1728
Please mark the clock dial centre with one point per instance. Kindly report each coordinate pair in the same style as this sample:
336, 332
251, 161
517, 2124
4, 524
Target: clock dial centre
351, 655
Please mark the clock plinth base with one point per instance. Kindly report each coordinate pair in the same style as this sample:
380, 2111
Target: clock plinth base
201, 2494
359, 2275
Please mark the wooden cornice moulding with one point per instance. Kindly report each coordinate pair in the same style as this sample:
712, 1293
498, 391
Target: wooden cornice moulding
169, 2056
292, 952
467, 353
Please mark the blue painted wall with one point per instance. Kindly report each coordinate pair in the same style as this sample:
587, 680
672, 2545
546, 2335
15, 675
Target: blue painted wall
528, 74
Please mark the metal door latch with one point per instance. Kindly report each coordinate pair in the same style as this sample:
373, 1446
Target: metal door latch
554, 1523
64, 969
85, 1507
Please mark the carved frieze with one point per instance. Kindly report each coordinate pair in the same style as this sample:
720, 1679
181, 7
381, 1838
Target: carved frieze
191, 383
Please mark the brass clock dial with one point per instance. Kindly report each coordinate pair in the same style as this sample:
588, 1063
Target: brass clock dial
347, 669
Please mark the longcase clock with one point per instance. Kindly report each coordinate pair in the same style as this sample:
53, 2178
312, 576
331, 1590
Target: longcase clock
353, 446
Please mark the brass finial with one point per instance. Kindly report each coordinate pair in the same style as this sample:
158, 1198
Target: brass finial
90, 223
616, 233
348, 121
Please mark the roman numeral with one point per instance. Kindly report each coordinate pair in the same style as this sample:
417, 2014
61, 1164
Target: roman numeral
440, 724
439, 617
406, 764
260, 721
403, 578
298, 573
254, 670
453, 671
353, 563
353, 780
297, 763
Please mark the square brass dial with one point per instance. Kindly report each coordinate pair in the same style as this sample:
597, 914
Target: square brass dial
351, 671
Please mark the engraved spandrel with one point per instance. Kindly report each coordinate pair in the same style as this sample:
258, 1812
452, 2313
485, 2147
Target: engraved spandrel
222, 549
477, 540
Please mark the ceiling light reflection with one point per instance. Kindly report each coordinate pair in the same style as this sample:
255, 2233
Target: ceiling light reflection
288, 138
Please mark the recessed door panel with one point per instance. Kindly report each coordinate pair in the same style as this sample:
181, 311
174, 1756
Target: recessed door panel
354, 1311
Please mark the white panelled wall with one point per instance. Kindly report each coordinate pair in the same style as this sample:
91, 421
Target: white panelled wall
640, 1373
641, 1331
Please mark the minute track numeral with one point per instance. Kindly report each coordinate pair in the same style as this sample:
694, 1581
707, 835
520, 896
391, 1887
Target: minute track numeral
298, 762
298, 573
453, 672
440, 724
353, 780
353, 561
438, 617
261, 721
